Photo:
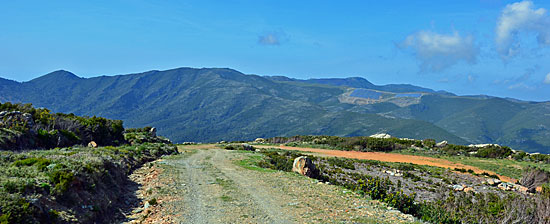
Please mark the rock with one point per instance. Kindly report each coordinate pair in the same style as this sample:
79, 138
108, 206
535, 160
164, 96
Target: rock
468, 189
441, 144
482, 145
259, 140
521, 189
305, 166
458, 187
505, 186
381, 135
493, 182
92, 144
153, 132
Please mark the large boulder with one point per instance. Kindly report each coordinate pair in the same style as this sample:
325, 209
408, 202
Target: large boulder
305, 166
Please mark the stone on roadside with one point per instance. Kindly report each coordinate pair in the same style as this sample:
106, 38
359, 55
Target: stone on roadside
305, 166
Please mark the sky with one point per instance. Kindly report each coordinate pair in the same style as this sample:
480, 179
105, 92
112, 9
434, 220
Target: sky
491, 47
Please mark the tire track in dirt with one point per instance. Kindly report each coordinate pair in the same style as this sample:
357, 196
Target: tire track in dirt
390, 157
194, 179
253, 190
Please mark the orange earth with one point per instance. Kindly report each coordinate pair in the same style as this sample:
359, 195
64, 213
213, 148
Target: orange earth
391, 157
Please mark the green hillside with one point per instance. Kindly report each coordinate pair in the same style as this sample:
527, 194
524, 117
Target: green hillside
211, 104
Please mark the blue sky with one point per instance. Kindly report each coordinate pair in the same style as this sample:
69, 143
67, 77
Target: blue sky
491, 47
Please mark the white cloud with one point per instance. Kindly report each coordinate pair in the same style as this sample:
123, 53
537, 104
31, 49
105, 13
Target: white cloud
273, 38
440, 51
269, 39
522, 86
521, 17
547, 79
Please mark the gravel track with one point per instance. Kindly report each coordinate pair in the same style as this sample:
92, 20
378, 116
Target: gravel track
207, 186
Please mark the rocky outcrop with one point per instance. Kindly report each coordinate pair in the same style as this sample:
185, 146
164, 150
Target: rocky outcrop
380, 135
305, 166
482, 145
441, 144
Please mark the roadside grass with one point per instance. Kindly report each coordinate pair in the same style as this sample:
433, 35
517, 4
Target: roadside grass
251, 162
226, 198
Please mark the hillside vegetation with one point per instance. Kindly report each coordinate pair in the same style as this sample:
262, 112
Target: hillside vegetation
499, 159
224, 104
69, 183
25, 127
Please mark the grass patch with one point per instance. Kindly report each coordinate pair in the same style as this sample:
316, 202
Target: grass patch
226, 198
251, 162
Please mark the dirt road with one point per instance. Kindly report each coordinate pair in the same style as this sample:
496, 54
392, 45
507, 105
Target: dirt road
391, 157
209, 186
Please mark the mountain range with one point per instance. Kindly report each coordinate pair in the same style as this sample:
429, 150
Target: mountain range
213, 104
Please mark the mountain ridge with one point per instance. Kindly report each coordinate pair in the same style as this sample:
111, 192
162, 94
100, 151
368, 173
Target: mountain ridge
212, 104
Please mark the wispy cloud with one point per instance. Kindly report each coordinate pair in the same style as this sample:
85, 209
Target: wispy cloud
547, 79
437, 52
521, 82
272, 38
521, 86
471, 78
521, 17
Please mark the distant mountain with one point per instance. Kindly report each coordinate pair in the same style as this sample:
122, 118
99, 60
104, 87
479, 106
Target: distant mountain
213, 104
357, 82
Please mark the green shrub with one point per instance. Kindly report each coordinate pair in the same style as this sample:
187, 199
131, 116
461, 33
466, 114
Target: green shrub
16, 210
61, 179
40, 163
494, 151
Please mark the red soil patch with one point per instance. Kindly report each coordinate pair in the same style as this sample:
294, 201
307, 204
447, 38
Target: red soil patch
392, 157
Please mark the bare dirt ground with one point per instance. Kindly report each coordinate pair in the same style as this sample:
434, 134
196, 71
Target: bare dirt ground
390, 157
208, 186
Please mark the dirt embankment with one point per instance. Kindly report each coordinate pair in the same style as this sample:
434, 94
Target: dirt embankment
391, 157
